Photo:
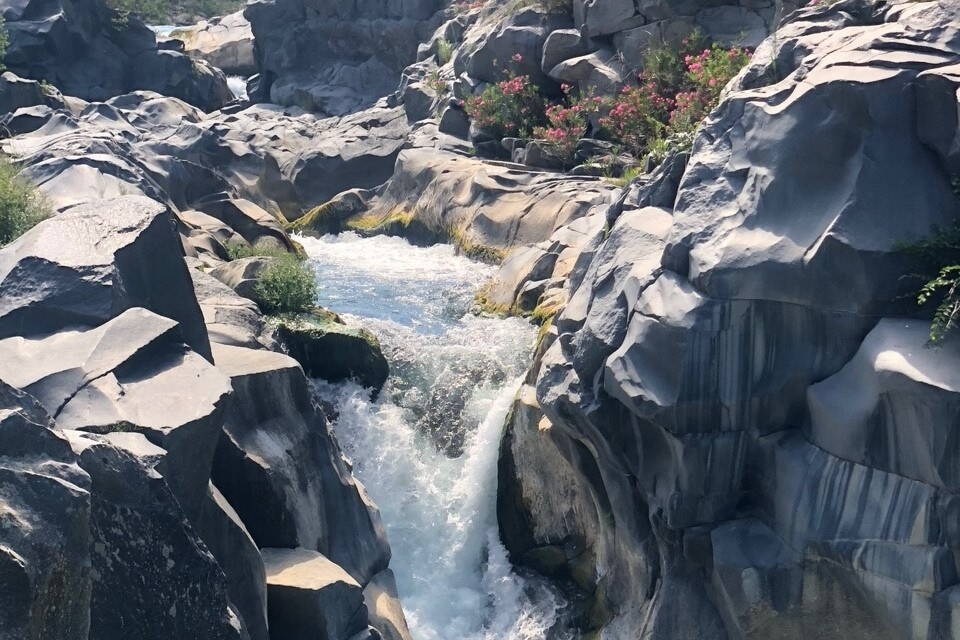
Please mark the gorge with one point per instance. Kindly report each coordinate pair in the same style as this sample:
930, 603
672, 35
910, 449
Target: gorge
497, 320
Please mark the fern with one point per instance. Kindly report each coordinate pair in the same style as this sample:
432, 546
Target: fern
945, 317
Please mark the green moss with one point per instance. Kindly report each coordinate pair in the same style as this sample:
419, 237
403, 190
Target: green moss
394, 222
321, 219
475, 250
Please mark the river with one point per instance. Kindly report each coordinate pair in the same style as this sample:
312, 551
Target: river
427, 449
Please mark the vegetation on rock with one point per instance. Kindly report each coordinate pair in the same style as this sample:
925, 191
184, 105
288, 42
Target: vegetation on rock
287, 286
172, 11
21, 205
238, 250
510, 108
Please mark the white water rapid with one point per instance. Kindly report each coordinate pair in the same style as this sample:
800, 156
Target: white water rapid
453, 378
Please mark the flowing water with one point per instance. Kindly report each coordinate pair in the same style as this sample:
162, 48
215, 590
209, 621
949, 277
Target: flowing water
427, 449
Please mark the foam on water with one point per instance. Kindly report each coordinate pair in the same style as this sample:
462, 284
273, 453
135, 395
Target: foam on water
440, 512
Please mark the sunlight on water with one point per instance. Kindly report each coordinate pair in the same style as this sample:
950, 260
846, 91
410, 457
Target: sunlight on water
452, 374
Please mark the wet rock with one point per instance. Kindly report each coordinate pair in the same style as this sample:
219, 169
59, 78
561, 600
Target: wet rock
91, 263
328, 348
310, 597
280, 468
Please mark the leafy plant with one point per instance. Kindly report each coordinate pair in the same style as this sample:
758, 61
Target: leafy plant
568, 123
947, 285
4, 42
286, 286
237, 250
21, 205
444, 51
512, 107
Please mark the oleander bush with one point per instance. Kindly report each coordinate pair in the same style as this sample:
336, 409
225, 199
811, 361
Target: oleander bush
509, 108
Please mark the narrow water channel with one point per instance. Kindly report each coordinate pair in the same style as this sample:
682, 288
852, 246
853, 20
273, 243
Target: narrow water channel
427, 449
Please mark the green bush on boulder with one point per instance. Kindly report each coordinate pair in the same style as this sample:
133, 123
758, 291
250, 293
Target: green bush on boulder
21, 205
286, 286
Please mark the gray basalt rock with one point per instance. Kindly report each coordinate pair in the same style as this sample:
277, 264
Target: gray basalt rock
311, 597
86, 50
243, 275
91, 263
725, 433
231, 319
235, 551
383, 607
104, 380
280, 468
45, 543
145, 552
335, 57
225, 42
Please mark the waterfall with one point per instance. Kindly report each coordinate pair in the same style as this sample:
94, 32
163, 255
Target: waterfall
427, 449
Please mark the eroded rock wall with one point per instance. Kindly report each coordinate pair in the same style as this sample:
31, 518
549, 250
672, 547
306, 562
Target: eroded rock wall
734, 428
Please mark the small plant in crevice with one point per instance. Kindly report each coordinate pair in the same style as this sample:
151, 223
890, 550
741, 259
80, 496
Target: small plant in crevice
287, 286
4, 43
21, 205
444, 51
238, 250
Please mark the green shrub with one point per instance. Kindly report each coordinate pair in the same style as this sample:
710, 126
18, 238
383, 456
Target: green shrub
165, 11
511, 108
4, 42
237, 250
444, 51
21, 205
287, 286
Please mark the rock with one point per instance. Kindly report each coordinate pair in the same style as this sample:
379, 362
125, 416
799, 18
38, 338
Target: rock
280, 468
328, 348
602, 17
455, 122
331, 216
231, 319
730, 443
893, 405
418, 100
383, 606
310, 597
86, 51
243, 275
235, 551
26, 119
225, 42
91, 263
17, 93
143, 548
45, 545
255, 225
540, 153
733, 26
445, 191
561, 45
130, 374
598, 73
336, 58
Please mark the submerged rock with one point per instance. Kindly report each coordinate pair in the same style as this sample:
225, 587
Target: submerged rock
328, 348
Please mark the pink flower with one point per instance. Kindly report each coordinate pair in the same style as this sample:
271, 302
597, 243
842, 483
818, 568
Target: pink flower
517, 58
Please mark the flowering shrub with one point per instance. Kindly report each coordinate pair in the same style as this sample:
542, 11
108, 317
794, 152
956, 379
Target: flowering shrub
510, 108
637, 115
568, 124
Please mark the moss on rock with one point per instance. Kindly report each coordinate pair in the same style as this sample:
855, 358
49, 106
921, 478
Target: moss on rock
328, 348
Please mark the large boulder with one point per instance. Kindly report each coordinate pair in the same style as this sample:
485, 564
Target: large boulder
89, 50
91, 263
279, 466
311, 598
335, 57
718, 438
328, 348
45, 539
130, 374
225, 42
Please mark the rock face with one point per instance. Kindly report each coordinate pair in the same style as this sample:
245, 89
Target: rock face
312, 598
88, 50
334, 57
728, 432
225, 43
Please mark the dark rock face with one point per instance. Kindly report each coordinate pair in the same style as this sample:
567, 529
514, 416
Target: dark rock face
328, 348
86, 50
729, 433
124, 253
282, 471
337, 57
